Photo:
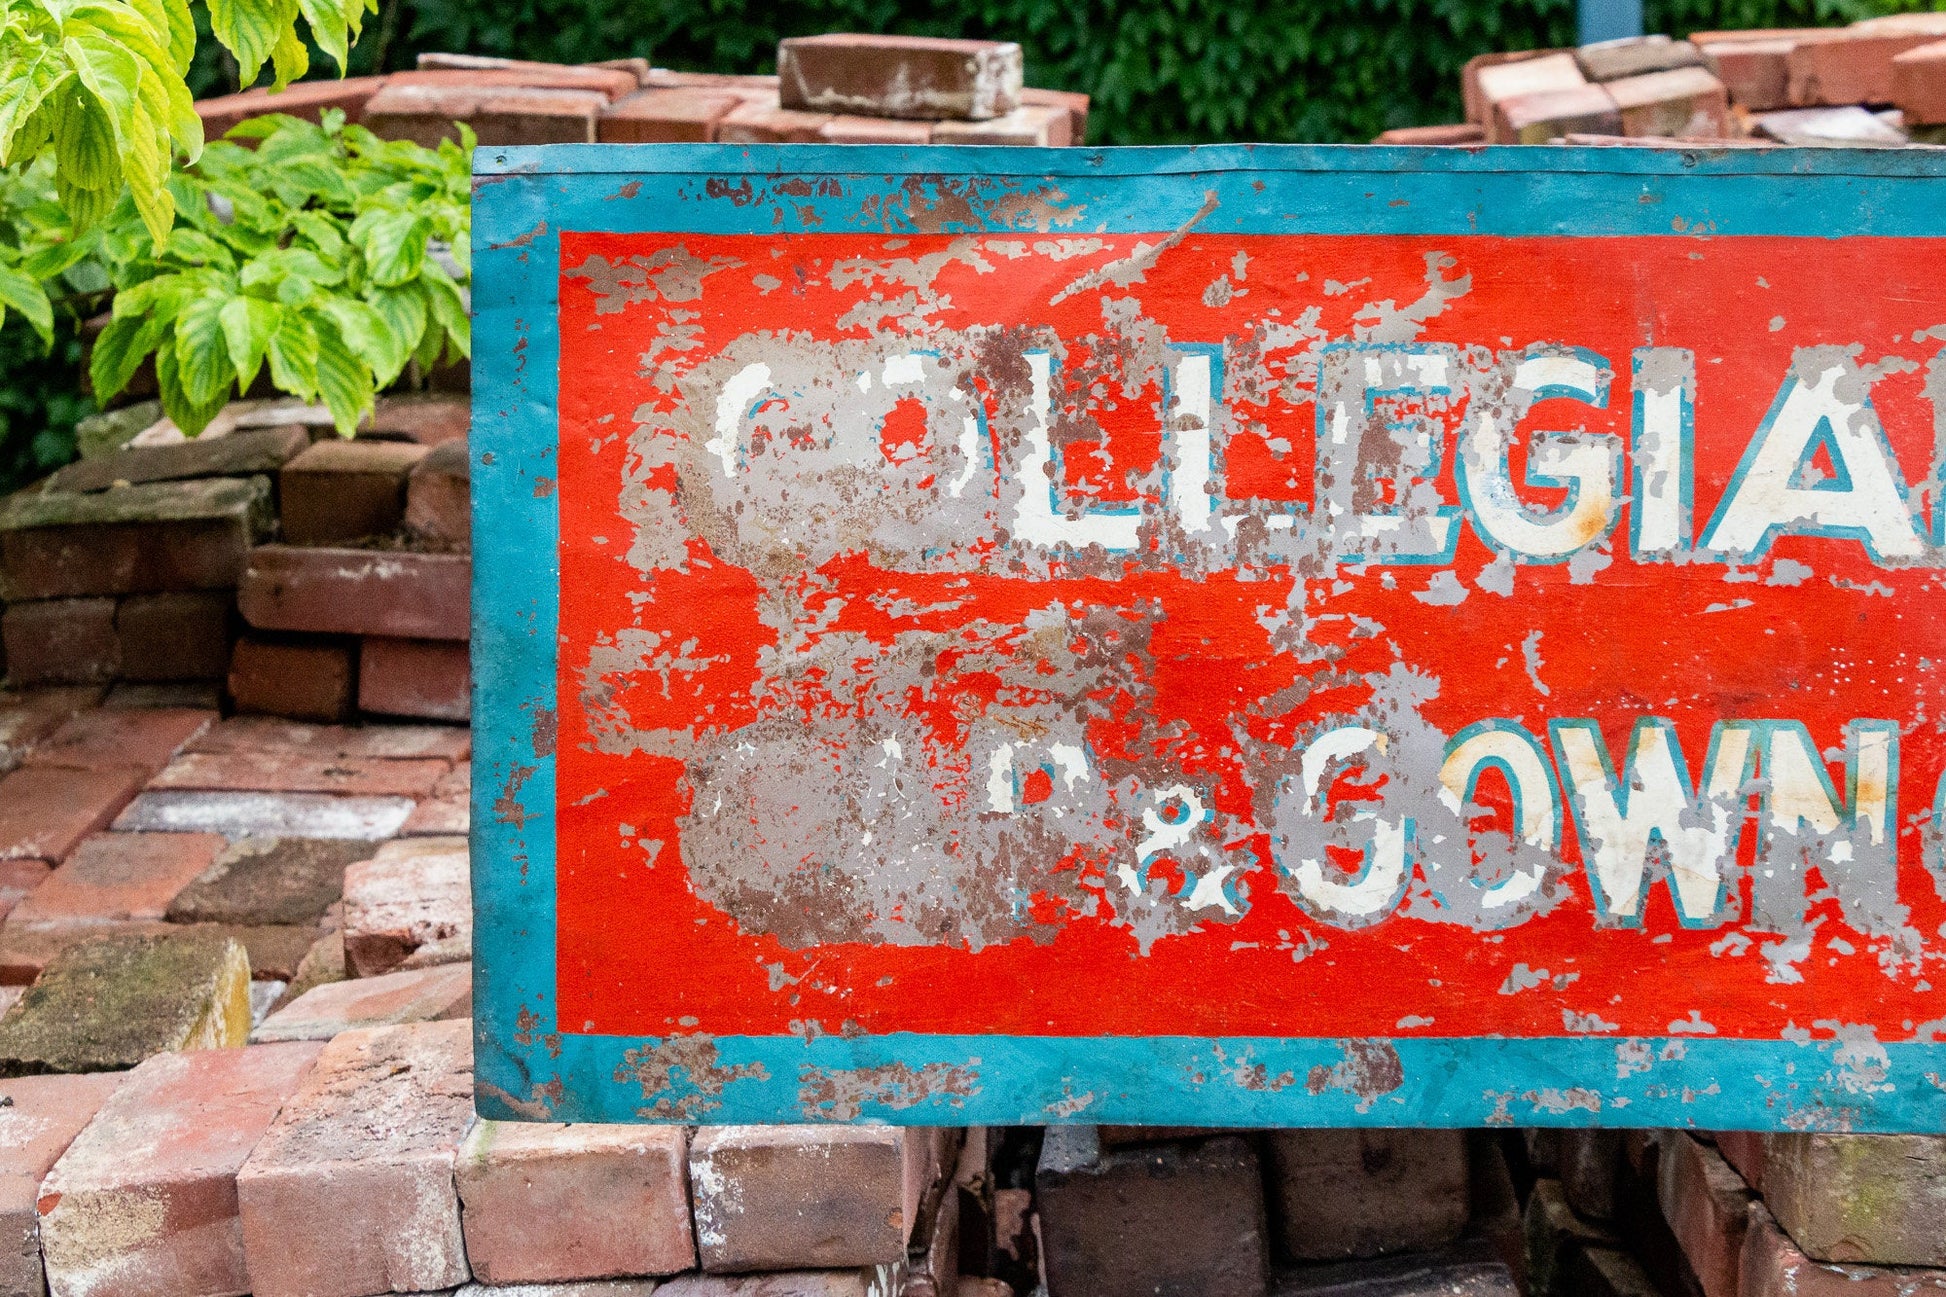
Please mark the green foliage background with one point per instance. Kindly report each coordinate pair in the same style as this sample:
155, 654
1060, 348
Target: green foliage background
1160, 71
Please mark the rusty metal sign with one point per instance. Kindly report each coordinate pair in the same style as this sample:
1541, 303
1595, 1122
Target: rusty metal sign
1287, 636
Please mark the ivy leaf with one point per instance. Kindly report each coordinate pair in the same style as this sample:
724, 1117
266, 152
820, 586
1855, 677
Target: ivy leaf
23, 293
344, 381
394, 244
248, 323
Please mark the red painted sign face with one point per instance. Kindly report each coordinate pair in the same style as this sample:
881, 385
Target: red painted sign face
1060, 634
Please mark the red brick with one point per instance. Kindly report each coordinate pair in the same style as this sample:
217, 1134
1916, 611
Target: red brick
1773, 1266
785, 1283
265, 734
899, 76
46, 812
145, 1199
421, 114
673, 115
1461, 133
1028, 126
357, 592
61, 641
339, 491
1361, 1193
883, 130
1076, 105
1680, 103
306, 99
438, 500
417, 995
448, 810
119, 876
609, 83
759, 84
1707, 1206
40, 1118
775, 1197
131, 540
1919, 84
1490, 79
28, 716
425, 679
539, 1201
138, 738
414, 894
519, 115
1173, 1218
759, 122
175, 636
1756, 73
1853, 65
1634, 56
636, 67
20, 877
1744, 1151
1870, 1199
426, 418
350, 1192
295, 815
243, 453
293, 773
307, 681
1549, 114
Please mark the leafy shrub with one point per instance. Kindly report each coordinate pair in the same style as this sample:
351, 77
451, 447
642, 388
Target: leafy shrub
312, 253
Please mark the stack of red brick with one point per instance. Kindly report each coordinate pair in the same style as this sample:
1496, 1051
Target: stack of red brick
128, 565
833, 89
1878, 82
1735, 1214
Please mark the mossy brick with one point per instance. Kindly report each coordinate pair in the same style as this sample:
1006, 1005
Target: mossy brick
241, 454
1875, 1199
39, 1118
272, 734
131, 540
413, 894
1774, 1266
144, 1201
101, 434
538, 1201
113, 876
269, 880
237, 815
357, 592
107, 1005
350, 1192
138, 739
416, 995
45, 811
1341, 1194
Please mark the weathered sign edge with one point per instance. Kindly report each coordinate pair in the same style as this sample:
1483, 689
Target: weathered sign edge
527, 1068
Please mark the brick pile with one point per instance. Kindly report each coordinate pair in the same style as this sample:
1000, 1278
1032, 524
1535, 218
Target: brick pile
1881, 82
348, 561
830, 89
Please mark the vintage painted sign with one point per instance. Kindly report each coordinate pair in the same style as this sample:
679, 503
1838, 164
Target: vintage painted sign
1283, 635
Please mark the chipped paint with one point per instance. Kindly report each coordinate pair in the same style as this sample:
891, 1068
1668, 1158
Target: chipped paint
1157, 617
